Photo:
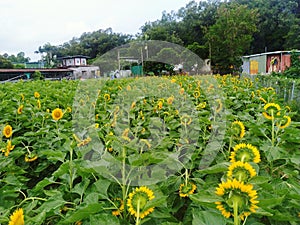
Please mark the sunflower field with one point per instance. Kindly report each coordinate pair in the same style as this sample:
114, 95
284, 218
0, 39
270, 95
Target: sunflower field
190, 150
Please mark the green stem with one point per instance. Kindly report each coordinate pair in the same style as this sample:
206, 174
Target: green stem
186, 177
137, 222
229, 147
243, 158
123, 185
236, 212
273, 128
71, 169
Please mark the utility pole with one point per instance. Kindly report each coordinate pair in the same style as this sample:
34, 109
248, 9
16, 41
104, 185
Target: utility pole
142, 59
119, 63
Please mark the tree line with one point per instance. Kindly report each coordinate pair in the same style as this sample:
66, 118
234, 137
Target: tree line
218, 30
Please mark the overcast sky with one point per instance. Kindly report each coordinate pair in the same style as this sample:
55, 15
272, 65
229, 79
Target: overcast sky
27, 24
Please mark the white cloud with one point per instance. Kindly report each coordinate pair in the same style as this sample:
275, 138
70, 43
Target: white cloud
26, 25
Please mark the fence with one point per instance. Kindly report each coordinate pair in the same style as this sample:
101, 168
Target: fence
286, 88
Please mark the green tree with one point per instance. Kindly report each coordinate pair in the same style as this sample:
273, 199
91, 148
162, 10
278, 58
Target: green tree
230, 37
5, 63
277, 24
37, 75
292, 38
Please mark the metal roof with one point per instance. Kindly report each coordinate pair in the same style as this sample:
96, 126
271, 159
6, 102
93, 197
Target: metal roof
269, 53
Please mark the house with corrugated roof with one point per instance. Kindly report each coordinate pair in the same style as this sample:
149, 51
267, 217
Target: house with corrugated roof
267, 62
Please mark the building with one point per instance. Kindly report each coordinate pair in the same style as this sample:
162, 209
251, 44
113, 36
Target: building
71, 67
78, 64
267, 62
73, 61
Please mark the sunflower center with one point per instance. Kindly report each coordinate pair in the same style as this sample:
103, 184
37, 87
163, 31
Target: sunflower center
57, 114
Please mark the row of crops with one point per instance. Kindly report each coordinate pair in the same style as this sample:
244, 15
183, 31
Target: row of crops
170, 150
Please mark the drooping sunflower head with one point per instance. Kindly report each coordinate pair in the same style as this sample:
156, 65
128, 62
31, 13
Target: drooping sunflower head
245, 153
30, 157
17, 218
20, 109
238, 129
57, 114
8, 149
137, 201
7, 131
187, 189
119, 204
271, 110
219, 105
285, 121
237, 193
241, 171
38, 104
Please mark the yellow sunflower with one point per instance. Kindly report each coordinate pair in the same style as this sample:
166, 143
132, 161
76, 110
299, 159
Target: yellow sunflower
119, 204
84, 142
8, 148
245, 153
106, 97
137, 201
125, 134
170, 100
20, 109
181, 91
160, 104
187, 189
236, 193
238, 129
271, 109
242, 171
17, 218
196, 94
219, 105
36, 94
38, 104
7, 131
186, 120
57, 114
201, 105
30, 158
285, 122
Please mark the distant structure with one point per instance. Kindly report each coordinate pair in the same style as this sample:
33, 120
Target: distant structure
78, 64
267, 62
74, 61
71, 67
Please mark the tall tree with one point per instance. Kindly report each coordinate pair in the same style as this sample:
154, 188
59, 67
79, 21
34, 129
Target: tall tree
230, 36
5, 63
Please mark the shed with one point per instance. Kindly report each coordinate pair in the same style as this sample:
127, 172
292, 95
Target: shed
267, 62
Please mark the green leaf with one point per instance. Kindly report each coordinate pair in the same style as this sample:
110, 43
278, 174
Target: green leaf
207, 218
83, 213
204, 199
219, 168
104, 218
270, 202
